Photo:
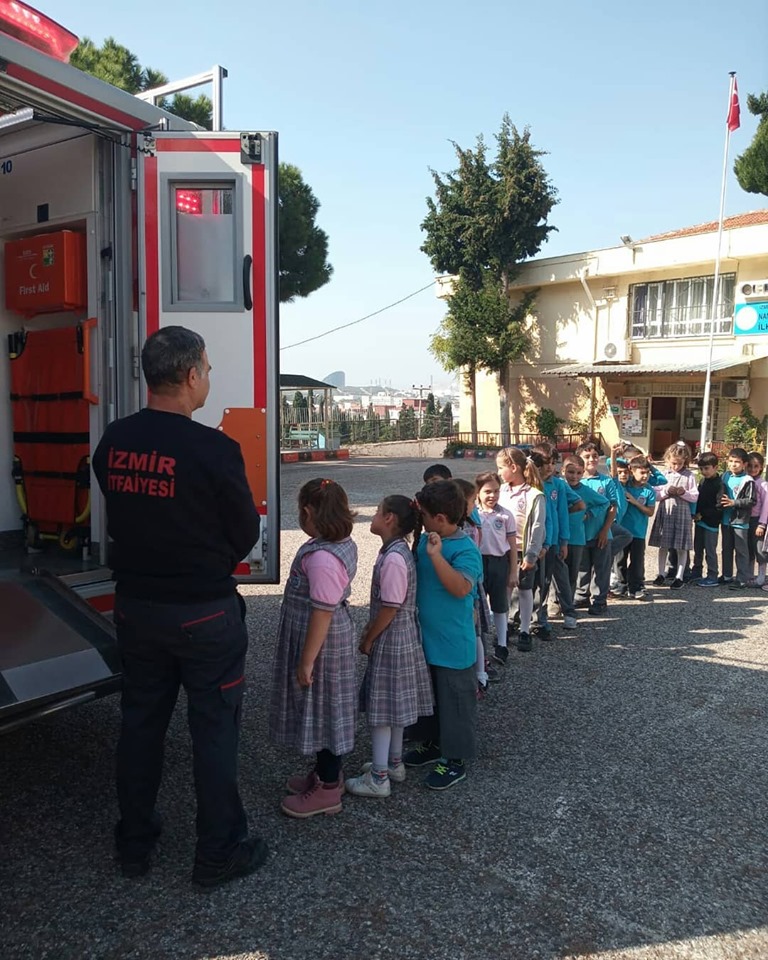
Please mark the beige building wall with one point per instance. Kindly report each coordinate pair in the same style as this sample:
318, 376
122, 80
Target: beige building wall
584, 303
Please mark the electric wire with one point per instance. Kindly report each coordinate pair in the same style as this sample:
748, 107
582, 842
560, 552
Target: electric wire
352, 323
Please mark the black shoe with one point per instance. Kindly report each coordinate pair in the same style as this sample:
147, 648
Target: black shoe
737, 585
425, 753
544, 632
524, 642
247, 858
493, 674
598, 610
581, 604
136, 864
446, 774
132, 869
725, 580
676, 584
500, 654
659, 581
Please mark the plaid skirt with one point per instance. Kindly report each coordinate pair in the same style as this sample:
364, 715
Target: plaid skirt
672, 526
322, 716
396, 688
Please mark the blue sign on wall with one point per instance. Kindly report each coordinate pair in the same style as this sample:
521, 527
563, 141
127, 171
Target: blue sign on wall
751, 319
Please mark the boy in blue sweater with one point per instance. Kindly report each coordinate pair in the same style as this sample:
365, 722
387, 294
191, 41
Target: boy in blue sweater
641, 504
559, 498
593, 502
595, 573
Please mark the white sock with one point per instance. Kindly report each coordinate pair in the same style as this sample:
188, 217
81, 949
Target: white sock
526, 610
482, 676
680, 572
662, 561
760, 574
381, 739
500, 622
396, 746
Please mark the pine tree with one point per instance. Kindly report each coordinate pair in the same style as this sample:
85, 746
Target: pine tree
486, 219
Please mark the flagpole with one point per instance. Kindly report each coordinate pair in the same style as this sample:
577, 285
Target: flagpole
715, 291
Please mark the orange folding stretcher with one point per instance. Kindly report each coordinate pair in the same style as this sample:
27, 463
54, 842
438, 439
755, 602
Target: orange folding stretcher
50, 399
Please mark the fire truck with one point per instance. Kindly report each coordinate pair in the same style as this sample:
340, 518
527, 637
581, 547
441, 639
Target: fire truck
116, 218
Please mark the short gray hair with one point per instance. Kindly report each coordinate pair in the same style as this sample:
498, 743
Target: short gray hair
169, 354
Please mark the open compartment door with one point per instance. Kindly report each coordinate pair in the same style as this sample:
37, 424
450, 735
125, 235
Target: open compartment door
208, 261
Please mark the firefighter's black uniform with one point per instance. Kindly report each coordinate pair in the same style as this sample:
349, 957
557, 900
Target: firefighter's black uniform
181, 516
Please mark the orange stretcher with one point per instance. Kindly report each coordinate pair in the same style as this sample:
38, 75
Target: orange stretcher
50, 399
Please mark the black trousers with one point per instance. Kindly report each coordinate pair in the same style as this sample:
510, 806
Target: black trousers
453, 724
201, 646
632, 565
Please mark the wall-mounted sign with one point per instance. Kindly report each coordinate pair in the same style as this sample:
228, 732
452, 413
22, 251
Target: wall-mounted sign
751, 319
615, 409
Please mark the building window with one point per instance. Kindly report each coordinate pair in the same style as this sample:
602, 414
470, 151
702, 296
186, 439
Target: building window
681, 308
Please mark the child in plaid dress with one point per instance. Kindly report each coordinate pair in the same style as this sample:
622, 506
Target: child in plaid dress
396, 689
314, 695
673, 524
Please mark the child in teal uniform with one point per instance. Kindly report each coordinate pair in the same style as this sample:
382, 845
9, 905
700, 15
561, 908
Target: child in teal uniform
592, 502
559, 498
641, 504
737, 503
448, 567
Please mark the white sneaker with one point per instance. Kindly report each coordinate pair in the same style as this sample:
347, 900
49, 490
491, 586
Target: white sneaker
570, 623
366, 786
396, 774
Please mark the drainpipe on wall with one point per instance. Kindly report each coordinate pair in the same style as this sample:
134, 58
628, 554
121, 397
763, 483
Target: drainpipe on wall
583, 280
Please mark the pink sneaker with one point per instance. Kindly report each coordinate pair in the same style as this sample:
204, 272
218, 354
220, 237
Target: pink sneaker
319, 798
301, 782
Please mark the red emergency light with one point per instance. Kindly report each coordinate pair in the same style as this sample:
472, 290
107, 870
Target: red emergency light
189, 201
28, 25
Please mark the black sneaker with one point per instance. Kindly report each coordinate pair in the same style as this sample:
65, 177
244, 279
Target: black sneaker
737, 585
581, 604
598, 610
494, 676
676, 584
725, 580
524, 642
482, 689
446, 774
247, 858
425, 753
500, 654
659, 581
544, 632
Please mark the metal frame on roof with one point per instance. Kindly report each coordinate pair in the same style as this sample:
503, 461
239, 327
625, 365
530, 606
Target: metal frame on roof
622, 370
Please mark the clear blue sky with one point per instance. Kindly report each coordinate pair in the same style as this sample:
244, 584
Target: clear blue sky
629, 100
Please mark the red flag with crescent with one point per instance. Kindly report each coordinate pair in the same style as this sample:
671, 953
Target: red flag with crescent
734, 112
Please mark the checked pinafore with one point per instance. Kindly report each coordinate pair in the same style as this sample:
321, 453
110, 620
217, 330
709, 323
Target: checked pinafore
322, 716
396, 688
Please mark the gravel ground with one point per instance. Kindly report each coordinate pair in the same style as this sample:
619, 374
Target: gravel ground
617, 809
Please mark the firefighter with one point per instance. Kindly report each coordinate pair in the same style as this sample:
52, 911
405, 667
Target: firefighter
181, 516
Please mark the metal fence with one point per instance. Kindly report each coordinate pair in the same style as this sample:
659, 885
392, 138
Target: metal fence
300, 429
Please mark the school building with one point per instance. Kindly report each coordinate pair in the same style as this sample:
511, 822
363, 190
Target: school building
620, 337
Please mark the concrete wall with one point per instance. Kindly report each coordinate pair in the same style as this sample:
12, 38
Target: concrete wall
429, 449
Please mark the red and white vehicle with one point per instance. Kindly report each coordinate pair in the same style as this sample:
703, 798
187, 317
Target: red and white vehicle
116, 218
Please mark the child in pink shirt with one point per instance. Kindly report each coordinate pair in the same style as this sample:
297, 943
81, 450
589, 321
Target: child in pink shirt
314, 691
397, 688
499, 550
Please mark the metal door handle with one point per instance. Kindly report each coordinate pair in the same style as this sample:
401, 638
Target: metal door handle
247, 297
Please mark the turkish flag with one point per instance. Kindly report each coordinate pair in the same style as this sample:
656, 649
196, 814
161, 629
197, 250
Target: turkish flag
734, 113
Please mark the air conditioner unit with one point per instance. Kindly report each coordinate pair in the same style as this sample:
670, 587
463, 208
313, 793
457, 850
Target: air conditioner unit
753, 289
735, 389
615, 351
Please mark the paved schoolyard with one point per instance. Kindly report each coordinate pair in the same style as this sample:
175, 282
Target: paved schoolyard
618, 809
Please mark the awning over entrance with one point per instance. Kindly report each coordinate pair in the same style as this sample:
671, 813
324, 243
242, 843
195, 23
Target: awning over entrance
619, 371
